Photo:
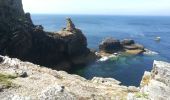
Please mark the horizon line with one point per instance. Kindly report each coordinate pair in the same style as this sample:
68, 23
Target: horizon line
98, 14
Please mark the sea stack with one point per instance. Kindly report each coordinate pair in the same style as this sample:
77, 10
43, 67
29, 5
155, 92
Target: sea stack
70, 25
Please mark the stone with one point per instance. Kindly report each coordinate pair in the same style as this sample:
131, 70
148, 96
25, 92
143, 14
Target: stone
22, 74
110, 45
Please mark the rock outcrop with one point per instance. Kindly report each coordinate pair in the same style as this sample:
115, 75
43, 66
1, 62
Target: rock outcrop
111, 45
20, 38
155, 85
42, 83
26, 81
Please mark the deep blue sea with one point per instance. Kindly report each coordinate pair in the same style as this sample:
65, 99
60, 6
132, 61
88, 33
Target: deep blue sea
143, 29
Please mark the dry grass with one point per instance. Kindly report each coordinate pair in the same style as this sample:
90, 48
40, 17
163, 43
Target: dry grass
5, 80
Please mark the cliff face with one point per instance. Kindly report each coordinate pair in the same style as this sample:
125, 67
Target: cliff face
11, 9
20, 38
26, 81
155, 85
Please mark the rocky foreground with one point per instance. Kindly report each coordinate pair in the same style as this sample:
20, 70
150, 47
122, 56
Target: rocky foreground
26, 81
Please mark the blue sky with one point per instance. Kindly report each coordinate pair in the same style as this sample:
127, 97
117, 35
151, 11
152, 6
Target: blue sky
105, 7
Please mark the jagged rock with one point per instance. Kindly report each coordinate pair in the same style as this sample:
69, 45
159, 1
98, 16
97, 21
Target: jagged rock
110, 45
76, 44
155, 85
28, 18
70, 26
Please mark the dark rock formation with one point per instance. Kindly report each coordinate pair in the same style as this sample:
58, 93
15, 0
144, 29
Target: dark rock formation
76, 44
128, 42
20, 38
110, 45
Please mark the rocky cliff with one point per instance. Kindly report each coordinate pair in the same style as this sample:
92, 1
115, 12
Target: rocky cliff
155, 85
20, 38
26, 81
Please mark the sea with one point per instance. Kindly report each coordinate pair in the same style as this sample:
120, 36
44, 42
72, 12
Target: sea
127, 69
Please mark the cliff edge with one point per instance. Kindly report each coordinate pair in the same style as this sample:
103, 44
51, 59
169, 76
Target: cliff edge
26, 81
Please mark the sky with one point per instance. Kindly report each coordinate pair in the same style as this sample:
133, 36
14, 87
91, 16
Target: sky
102, 7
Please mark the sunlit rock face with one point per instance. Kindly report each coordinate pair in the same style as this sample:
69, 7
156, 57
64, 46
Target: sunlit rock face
155, 85
20, 38
158, 86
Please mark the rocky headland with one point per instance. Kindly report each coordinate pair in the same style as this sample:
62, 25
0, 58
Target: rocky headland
20, 38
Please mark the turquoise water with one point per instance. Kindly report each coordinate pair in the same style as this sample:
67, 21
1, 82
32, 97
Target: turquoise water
143, 29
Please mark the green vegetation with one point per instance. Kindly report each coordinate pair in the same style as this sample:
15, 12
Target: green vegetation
5, 80
141, 95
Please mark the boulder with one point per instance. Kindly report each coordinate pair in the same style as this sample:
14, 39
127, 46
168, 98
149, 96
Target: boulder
110, 45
